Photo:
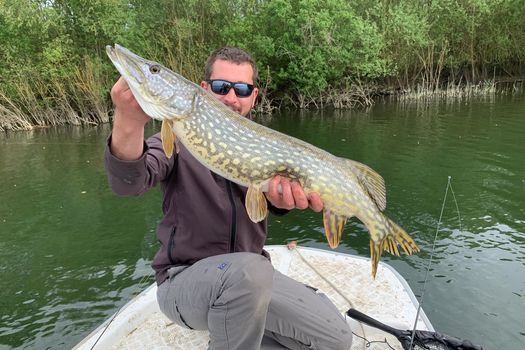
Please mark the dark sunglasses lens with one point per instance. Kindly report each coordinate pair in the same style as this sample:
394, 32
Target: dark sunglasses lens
220, 87
242, 89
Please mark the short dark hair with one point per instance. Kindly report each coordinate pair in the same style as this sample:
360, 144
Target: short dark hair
232, 54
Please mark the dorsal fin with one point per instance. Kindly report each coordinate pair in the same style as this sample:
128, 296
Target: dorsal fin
371, 181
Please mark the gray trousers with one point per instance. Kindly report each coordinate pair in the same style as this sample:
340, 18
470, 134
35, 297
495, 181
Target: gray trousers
245, 304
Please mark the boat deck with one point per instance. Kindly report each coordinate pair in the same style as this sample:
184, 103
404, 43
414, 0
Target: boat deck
345, 279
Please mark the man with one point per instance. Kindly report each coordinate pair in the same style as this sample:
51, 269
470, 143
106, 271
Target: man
211, 269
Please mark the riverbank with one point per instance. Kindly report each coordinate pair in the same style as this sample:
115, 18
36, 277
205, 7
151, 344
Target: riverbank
78, 103
311, 54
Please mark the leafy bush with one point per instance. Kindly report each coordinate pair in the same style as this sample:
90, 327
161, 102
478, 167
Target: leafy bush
305, 48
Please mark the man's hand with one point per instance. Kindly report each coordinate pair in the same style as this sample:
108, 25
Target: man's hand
126, 106
127, 139
292, 195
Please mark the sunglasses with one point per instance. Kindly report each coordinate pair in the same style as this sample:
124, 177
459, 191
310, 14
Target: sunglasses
222, 87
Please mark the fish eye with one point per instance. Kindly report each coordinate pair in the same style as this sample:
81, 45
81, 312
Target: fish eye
155, 69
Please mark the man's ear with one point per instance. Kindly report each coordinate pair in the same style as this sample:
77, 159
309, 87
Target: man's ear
204, 84
255, 93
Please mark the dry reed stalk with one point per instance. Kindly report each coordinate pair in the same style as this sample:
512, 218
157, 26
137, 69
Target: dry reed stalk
12, 119
264, 105
75, 101
185, 57
92, 106
452, 91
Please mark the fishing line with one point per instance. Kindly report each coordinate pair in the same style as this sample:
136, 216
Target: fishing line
449, 185
367, 343
140, 286
324, 278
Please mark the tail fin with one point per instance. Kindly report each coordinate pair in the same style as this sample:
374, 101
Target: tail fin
398, 236
376, 249
395, 236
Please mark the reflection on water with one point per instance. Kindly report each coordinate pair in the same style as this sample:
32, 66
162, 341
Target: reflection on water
73, 253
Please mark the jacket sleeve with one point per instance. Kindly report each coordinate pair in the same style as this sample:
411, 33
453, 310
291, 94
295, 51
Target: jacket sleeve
135, 177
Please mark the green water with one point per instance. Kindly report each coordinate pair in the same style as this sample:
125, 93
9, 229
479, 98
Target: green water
71, 252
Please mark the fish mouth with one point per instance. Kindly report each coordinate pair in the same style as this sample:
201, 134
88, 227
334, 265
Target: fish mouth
127, 63
130, 68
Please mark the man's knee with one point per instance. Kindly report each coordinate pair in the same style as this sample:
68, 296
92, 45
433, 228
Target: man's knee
246, 288
252, 272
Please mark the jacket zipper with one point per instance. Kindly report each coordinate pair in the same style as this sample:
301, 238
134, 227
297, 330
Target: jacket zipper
171, 243
233, 232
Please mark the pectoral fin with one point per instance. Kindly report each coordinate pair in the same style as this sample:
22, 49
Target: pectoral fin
333, 227
256, 205
168, 137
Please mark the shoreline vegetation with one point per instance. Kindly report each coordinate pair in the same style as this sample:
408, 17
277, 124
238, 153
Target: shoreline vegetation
311, 53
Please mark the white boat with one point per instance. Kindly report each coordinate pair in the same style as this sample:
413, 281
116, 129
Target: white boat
344, 278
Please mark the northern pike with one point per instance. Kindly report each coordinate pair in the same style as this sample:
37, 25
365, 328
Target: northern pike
250, 154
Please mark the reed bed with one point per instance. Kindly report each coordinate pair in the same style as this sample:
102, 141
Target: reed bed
81, 100
485, 89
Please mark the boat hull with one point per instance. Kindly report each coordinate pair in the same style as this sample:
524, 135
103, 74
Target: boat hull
344, 278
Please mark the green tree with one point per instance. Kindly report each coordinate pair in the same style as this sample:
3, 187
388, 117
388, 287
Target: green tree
310, 45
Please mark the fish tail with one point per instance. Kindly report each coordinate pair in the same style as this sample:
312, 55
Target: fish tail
376, 249
392, 237
397, 236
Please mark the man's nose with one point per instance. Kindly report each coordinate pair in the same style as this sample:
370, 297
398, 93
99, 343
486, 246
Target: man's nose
230, 97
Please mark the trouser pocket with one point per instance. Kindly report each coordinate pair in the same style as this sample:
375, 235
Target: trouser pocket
168, 305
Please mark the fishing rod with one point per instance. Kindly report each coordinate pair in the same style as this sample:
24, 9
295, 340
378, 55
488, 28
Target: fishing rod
417, 339
431, 258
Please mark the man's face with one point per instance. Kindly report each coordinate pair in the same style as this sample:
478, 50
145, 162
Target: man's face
234, 73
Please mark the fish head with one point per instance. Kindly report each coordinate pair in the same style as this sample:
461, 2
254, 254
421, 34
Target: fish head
162, 93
